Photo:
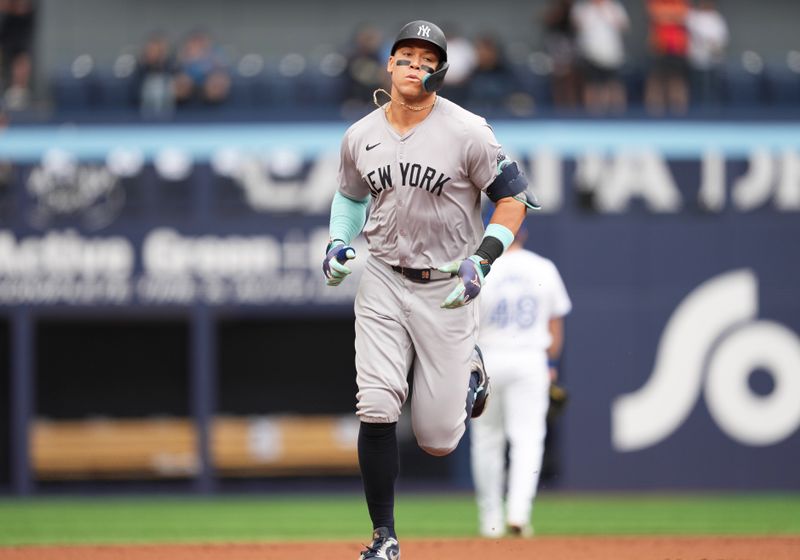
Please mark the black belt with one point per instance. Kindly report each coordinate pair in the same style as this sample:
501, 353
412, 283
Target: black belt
422, 274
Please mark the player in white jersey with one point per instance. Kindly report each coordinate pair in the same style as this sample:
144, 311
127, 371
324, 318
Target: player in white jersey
418, 165
521, 335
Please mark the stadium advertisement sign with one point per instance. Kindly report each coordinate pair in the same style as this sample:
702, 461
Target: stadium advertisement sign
677, 244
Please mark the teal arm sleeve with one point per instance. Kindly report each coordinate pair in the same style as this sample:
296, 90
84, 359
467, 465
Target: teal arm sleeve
348, 217
501, 232
495, 241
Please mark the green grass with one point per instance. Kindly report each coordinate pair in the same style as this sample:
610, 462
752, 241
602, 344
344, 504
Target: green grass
182, 519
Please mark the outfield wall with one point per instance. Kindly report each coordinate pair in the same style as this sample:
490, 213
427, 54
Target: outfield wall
174, 271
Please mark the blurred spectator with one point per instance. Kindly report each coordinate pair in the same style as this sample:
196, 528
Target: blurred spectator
202, 73
16, 36
559, 42
667, 85
154, 78
599, 26
708, 37
462, 58
494, 82
366, 66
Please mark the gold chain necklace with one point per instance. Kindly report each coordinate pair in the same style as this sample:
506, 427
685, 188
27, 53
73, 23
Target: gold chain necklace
404, 104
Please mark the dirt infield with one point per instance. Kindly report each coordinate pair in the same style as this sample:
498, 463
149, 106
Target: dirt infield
545, 548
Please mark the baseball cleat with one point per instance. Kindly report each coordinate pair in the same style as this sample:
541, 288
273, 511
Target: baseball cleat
384, 546
524, 531
483, 390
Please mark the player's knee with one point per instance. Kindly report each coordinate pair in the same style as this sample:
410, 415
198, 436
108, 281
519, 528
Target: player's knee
438, 451
439, 440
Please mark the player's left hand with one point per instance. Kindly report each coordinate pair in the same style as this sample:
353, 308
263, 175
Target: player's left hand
471, 273
558, 397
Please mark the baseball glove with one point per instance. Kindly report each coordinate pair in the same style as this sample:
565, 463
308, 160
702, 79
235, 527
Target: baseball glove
558, 400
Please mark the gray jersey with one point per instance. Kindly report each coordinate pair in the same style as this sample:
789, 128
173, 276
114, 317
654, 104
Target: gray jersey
425, 185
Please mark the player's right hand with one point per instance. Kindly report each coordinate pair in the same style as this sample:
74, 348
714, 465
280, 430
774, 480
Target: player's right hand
333, 267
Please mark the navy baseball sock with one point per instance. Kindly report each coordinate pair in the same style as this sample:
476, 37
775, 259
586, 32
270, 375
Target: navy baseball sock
378, 458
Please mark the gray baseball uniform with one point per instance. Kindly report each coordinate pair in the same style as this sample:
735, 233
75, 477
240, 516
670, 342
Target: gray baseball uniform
425, 212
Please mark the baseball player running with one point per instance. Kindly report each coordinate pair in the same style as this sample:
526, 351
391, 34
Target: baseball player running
418, 163
521, 335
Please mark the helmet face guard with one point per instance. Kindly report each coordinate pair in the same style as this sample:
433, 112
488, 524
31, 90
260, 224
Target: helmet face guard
433, 82
422, 30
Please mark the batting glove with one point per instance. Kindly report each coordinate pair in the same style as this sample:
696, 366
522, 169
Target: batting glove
333, 267
471, 273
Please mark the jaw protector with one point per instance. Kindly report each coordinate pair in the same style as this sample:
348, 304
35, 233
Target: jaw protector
434, 79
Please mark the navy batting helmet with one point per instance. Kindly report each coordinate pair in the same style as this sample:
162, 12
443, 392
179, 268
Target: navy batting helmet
422, 30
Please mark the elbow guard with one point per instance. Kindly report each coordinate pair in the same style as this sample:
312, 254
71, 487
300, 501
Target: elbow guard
511, 182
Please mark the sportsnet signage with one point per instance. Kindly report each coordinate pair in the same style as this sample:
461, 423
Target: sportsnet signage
711, 345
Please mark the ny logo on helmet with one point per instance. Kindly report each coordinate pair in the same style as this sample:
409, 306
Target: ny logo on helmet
424, 31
